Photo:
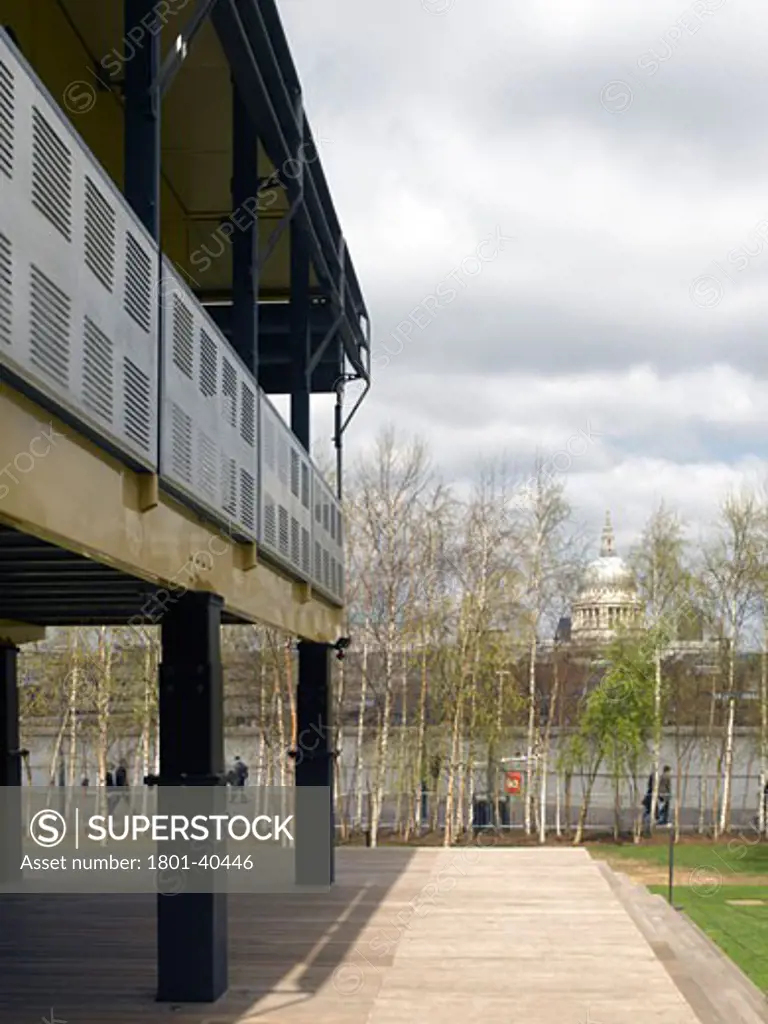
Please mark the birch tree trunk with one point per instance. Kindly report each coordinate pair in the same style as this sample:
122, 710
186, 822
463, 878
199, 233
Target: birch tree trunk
470, 769
725, 807
103, 701
421, 732
290, 690
72, 701
705, 768
656, 736
494, 775
263, 748
568, 809
147, 714
434, 823
584, 811
531, 728
453, 767
545, 754
360, 786
280, 712
57, 745
382, 747
403, 786
735, 576
271, 767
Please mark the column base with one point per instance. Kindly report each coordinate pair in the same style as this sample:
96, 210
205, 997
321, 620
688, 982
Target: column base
192, 972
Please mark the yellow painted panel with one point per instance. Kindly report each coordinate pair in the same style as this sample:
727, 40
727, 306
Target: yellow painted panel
79, 497
18, 633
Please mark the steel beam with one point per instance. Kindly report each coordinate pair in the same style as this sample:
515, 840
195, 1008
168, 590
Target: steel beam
246, 43
173, 62
279, 230
301, 384
245, 243
142, 117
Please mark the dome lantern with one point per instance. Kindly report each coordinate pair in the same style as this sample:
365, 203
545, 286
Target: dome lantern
606, 549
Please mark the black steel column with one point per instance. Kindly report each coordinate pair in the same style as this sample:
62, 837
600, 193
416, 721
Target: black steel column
191, 927
314, 766
300, 337
245, 241
10, 766
142, 114
314, 763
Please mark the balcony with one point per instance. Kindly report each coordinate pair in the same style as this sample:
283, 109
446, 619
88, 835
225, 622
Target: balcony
97, 326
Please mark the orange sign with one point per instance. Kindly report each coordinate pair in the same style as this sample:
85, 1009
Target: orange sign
514, 783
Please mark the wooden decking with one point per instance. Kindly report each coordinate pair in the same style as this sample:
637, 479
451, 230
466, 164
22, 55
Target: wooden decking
405, 937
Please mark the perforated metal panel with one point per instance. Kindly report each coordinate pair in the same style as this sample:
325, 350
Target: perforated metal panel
327, 540
79, 323
78, 312
209, 438
286, 520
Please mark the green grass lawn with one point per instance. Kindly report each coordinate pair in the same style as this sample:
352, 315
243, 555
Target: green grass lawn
741, 932
736, 857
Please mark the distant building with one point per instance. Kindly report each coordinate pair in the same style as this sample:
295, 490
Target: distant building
608, 604
608, 600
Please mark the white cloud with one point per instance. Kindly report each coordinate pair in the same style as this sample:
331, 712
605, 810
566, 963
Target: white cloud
444, 127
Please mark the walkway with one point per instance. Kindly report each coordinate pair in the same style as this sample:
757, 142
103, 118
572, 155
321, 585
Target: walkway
465, 936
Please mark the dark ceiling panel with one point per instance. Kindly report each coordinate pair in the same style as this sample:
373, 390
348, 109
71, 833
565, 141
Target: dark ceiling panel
47, 586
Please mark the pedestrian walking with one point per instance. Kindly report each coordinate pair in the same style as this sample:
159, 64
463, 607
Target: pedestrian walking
665, 796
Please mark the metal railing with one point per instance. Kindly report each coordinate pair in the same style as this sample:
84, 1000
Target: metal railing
80, 281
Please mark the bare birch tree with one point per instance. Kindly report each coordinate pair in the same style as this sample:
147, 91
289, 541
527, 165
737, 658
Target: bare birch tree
542, 516
731, 578
388, 487
662, 582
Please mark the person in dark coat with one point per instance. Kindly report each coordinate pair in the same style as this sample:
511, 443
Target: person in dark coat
665, 796
113, 798
121, 775
241, 777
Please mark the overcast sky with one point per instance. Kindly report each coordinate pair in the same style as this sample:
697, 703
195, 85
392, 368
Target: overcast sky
608, 161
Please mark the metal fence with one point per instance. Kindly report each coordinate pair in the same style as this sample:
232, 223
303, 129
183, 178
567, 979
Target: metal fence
695, 805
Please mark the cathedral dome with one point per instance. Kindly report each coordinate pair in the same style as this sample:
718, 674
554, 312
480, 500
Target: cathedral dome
609, 571
608, 598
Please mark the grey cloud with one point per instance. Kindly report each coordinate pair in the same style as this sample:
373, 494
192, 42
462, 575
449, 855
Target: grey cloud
393, 82
556, 336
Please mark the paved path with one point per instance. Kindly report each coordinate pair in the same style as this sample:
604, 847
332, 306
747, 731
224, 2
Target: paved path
534, 936
466, 936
